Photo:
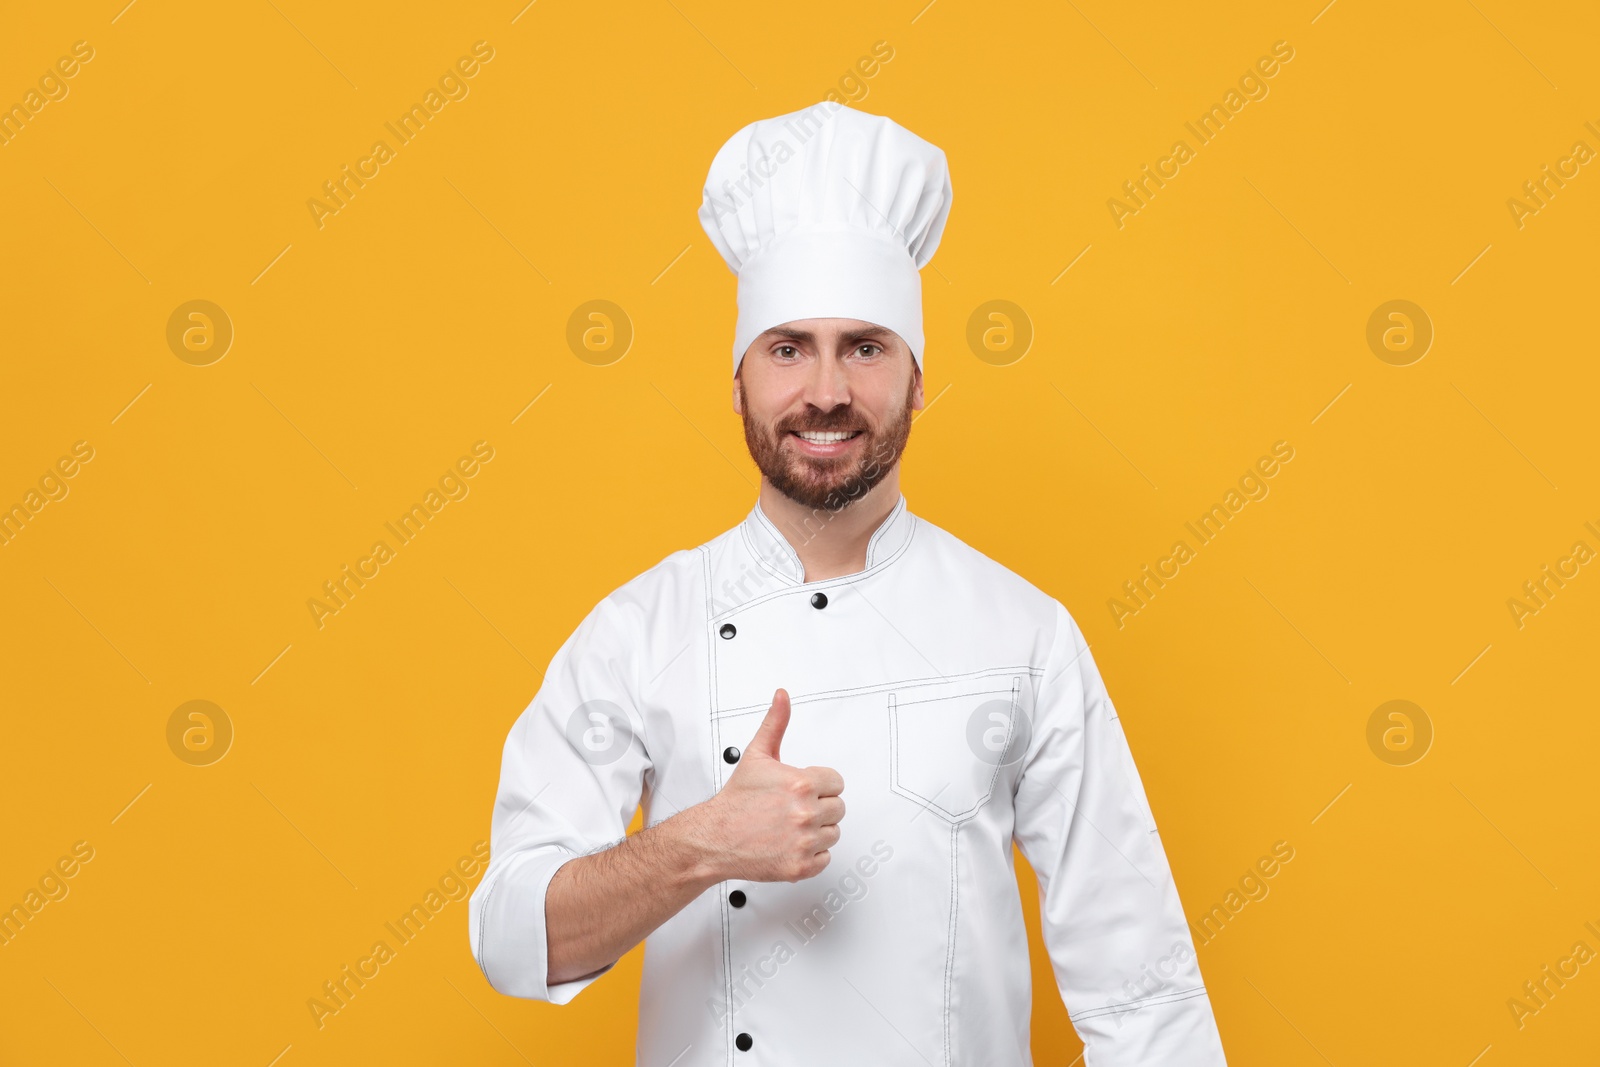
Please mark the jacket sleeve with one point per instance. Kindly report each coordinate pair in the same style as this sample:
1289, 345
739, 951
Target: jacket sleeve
571, 777
1114, 927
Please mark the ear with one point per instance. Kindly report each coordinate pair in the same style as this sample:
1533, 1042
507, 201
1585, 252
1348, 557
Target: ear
916, 386
738, 393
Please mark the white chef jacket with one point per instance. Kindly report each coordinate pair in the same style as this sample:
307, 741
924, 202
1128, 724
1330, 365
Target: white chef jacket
963, 710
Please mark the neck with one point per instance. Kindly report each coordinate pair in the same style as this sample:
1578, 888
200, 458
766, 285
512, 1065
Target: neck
831, 544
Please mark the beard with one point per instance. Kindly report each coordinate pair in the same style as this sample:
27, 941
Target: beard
827, 483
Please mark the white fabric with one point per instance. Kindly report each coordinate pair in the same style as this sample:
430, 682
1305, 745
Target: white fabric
827, 212
909, 948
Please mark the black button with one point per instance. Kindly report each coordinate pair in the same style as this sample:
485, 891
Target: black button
730, 755
819, 600
736, 898
744, 1041
727, 630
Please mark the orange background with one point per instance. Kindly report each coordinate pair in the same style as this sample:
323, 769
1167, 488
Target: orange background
1230, 312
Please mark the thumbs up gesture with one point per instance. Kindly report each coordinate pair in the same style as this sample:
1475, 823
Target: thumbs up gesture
772, 822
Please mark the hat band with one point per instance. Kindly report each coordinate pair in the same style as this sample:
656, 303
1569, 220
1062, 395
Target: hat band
830, 274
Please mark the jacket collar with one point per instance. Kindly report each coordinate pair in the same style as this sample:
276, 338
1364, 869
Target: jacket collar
774, 552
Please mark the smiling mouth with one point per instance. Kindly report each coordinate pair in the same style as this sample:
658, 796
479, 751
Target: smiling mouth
825, 437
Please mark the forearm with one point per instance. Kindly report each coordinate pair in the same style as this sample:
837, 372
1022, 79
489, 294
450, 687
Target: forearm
599, 906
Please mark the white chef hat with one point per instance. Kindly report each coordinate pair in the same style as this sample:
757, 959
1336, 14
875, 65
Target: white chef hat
827, 212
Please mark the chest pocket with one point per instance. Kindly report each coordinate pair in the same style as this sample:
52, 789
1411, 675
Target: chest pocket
949, 740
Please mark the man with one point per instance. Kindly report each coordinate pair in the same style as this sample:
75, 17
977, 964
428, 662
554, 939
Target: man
834, 645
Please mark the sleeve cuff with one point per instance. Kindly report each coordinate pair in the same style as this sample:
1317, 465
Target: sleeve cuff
509, 937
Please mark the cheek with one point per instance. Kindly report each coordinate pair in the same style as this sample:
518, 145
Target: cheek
887, 407
764, 421
773, 409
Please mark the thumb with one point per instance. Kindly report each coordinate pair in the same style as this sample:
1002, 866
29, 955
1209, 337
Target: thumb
769, 735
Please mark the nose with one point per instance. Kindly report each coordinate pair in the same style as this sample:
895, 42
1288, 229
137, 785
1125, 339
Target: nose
828, 384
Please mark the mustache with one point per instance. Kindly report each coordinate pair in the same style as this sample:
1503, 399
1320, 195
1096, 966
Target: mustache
835, 420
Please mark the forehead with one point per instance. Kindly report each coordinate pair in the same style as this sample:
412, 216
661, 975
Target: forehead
823, 329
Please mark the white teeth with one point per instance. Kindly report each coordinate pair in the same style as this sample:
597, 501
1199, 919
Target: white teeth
823, 438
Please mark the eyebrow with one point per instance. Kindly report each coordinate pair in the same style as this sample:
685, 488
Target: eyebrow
871, 333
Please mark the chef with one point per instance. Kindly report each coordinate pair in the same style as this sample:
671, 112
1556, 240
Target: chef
837, 716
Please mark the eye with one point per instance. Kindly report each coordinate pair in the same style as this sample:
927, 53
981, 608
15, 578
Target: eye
785, 350
869, 349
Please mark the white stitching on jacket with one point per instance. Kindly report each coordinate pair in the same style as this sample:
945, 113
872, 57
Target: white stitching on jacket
884, 687
716, 781
1158, 998
894, 751
826, 583
950, 939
